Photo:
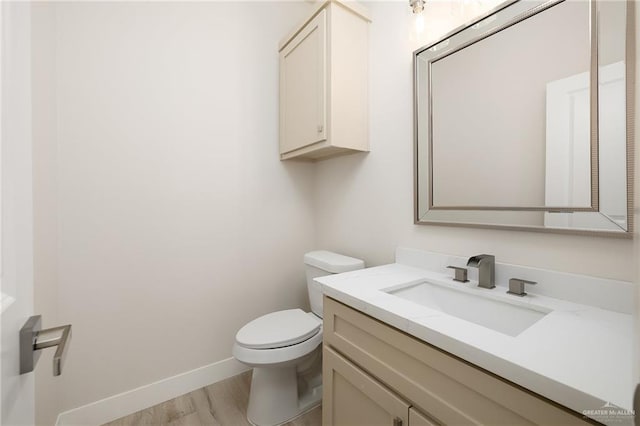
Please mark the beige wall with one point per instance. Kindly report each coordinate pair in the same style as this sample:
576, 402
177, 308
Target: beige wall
365, 201
166, 221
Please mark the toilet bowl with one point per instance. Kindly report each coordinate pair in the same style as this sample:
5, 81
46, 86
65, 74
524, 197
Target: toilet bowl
284, 349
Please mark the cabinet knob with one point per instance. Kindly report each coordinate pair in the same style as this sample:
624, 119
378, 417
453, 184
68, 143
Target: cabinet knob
397, 421
320, 128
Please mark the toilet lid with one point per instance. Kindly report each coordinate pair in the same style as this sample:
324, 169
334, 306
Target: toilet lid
278, 329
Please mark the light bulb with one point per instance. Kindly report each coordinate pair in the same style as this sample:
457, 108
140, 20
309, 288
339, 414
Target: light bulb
419, 23
417, 5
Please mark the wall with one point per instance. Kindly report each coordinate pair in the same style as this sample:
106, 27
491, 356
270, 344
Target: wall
173, 223
365, 201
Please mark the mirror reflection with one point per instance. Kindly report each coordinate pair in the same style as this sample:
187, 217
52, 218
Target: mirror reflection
490, 103
511, 134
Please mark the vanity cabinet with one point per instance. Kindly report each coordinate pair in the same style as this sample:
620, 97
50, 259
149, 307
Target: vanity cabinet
357, 398
376, 374
324, 84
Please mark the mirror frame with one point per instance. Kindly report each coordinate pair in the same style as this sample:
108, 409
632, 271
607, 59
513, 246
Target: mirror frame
472, 216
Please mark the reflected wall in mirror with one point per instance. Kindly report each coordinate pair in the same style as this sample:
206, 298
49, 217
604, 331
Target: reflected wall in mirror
508, 129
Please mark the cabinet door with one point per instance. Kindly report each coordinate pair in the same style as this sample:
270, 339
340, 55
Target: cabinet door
351, 397
303, 77
452, 391
416, 418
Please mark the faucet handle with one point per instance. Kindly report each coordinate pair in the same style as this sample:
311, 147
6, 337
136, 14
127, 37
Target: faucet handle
461, 274
516, 286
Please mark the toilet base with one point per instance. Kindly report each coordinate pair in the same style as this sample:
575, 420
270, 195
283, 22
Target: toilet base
280, 394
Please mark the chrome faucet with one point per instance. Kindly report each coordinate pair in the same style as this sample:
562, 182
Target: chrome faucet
486, 264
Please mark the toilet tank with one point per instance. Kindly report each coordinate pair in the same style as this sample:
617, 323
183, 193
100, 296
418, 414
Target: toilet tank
320, 263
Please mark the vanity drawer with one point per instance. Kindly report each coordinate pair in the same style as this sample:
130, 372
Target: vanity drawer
452, 391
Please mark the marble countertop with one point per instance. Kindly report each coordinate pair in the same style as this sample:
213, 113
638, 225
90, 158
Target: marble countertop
577, 355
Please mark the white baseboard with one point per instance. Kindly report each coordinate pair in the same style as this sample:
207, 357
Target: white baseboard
129, 402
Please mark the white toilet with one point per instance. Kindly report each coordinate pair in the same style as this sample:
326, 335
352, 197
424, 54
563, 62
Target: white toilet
284, 348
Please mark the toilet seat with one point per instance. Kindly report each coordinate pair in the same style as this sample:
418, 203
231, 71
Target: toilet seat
278, 357
279, 329
278, 338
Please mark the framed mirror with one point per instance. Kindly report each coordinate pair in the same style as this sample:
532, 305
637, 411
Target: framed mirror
522, 120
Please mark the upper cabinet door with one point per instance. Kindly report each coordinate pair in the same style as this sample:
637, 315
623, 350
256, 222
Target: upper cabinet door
324, 67
303, 76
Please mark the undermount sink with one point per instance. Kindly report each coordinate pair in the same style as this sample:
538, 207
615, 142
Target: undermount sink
504, 317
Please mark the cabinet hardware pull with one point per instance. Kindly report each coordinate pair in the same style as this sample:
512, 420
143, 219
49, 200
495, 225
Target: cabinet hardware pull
397, 421
320, 128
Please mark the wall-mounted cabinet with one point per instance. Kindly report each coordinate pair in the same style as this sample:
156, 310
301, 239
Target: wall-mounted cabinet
324, 84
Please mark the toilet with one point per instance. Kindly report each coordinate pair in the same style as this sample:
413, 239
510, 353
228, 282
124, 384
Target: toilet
285, 349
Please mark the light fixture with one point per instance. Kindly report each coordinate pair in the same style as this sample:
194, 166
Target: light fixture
417, 5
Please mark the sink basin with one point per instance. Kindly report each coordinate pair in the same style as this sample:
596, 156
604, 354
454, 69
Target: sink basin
504, 317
